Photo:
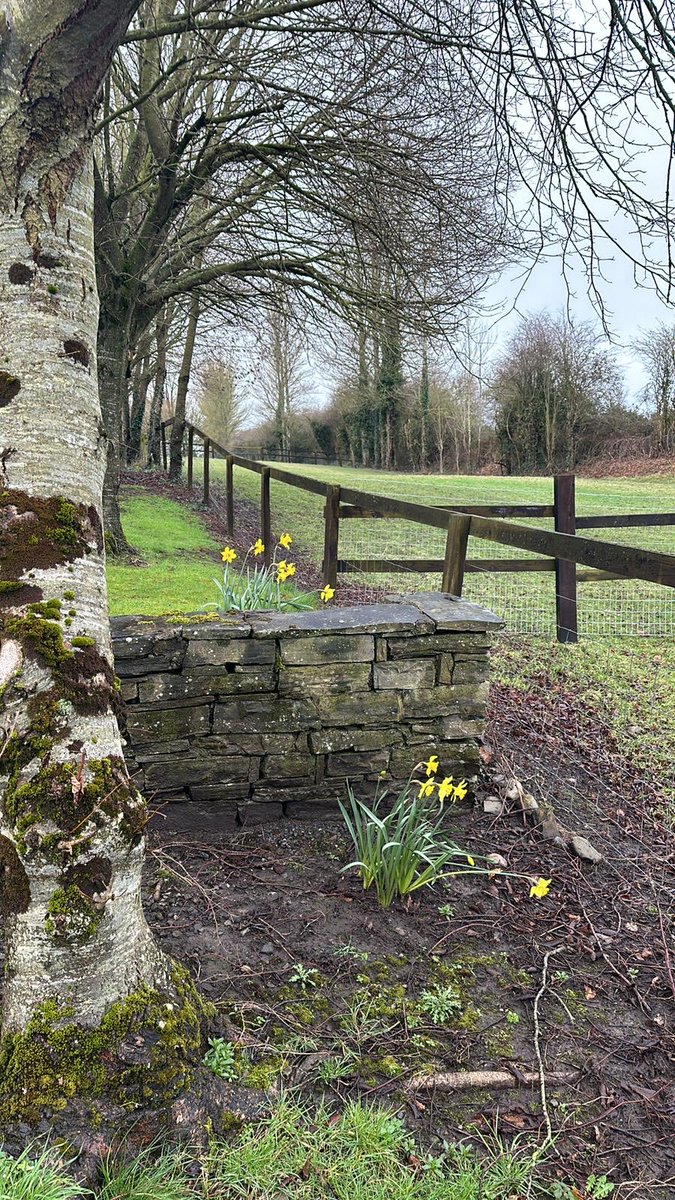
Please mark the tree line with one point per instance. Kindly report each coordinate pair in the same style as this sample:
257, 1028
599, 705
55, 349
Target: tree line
551, 399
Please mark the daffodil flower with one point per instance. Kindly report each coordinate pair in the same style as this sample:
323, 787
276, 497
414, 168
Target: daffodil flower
281, 566
228, 555
432, 765
327, 593
445, 789
426, 789
285, 540
290, 570
258, 547
541, 888
460, 789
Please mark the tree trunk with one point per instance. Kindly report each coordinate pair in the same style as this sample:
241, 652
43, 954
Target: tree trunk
113, 365
178, 427
83, 973
139, 392
159, 387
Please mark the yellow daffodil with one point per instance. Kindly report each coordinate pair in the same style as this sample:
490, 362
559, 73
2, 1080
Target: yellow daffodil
327, 593
285, 540
460, 789
228, 555
281, 566
258, 547
445, 789
426, 789
541, 888
290, 570
471, 861
432, 765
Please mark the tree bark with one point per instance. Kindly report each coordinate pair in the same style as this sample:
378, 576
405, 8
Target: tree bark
71, 823
113, 365
159, 386
178, 426
139, 391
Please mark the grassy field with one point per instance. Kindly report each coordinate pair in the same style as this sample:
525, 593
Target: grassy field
526, 601
180, 556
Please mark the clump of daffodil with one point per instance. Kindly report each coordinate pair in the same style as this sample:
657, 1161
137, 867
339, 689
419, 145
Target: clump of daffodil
407, 848
327, 593
285, 571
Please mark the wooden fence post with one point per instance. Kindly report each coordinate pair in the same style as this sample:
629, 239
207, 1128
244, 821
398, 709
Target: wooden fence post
266, 515
331, 535
163, 438
207, 469
190, 455
459, 527
229, 494
565, 572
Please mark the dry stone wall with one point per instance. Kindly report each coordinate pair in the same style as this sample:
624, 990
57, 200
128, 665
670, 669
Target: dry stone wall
270, 714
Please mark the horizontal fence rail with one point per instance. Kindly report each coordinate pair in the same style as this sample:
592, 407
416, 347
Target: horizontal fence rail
562, 549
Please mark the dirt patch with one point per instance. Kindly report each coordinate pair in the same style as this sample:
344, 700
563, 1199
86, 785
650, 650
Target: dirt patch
320, 988
638, 465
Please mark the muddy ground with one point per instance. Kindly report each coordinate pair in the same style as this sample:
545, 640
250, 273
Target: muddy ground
321, 989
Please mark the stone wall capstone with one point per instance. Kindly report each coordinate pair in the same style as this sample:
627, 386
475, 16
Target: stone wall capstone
271, 713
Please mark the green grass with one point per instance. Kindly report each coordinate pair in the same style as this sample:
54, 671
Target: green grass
526, 601
363, 1153
181, 558
630, 684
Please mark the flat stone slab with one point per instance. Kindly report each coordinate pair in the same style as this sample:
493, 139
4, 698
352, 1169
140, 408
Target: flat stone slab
362, 618
449, 612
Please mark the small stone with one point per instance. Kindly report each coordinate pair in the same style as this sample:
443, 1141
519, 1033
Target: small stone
528, 803
268, 948
497, 860
493, 805
513, 792
583, 849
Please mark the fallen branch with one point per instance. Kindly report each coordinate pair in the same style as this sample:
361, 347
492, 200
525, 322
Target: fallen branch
450, 1081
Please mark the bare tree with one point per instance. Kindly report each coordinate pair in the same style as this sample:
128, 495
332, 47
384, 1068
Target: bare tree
217, 408
281, 371
657, 351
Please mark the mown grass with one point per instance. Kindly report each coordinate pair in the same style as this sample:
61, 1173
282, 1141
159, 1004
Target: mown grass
181, 559
362, 1153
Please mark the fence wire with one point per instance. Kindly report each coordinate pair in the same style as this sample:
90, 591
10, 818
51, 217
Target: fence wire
526, 601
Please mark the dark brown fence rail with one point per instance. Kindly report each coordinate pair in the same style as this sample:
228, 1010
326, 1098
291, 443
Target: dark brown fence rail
562, 549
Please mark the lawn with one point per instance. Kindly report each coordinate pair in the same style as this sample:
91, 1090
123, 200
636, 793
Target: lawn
180, 559
526, 601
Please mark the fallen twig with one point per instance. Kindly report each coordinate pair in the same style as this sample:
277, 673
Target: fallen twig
450, 1081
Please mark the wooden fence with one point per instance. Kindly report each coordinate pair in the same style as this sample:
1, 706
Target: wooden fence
562, 548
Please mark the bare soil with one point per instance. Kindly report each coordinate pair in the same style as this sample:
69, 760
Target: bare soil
244, 910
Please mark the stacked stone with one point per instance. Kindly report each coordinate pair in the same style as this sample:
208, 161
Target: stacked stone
270, 714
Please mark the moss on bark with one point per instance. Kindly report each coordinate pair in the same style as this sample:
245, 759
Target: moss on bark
143, 1054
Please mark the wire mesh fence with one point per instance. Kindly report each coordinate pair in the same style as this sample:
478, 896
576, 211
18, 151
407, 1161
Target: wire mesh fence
526, 601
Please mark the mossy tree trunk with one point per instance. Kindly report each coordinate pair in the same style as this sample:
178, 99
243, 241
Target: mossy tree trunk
71, 822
